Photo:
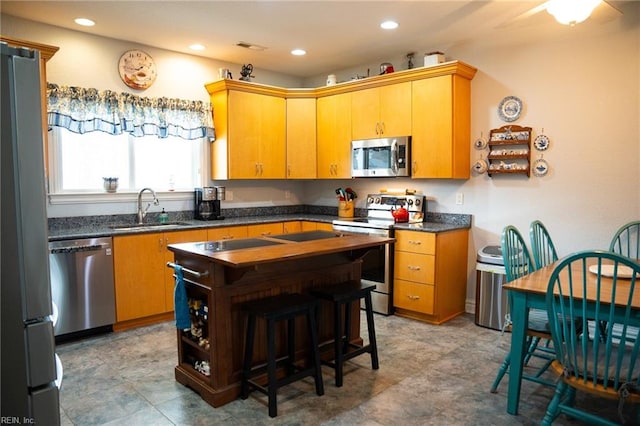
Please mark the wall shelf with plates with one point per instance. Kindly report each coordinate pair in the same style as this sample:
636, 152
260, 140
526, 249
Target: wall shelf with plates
509, 150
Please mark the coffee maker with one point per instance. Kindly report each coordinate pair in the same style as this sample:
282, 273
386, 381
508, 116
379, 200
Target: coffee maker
207, 203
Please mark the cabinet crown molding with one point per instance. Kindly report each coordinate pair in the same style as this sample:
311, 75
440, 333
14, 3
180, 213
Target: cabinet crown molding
446, 68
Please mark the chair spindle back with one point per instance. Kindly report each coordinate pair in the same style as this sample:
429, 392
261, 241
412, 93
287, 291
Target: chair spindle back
517, 260
626, 240
544, 251
606, 358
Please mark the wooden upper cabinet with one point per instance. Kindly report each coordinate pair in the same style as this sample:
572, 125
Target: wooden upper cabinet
301, 138
334, 136
383, 111
250, 130
267, 132
46, 53
441, 120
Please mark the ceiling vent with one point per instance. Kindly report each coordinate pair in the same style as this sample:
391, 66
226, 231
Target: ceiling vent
250, 46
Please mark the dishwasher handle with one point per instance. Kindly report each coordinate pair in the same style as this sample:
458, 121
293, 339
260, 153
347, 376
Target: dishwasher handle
75, 249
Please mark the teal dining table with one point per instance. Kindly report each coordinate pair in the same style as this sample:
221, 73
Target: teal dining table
529, 292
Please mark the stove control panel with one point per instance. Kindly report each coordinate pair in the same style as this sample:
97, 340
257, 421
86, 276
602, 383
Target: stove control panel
415, 203
379, 206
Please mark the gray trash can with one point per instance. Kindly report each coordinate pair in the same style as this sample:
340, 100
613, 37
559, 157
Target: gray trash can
491, 299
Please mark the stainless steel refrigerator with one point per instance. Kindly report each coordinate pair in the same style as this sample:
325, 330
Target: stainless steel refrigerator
29, 392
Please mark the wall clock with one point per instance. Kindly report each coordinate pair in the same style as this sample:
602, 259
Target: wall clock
137, 69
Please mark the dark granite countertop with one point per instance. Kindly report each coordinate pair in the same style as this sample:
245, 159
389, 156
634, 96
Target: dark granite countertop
103, 226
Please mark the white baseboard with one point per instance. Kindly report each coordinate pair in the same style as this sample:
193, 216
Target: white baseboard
470, 306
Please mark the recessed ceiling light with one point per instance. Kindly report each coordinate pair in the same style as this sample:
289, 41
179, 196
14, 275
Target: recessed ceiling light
298, 52
84, 22
196, 47
389, 25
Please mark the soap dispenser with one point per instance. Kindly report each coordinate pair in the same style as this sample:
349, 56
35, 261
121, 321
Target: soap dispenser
164, 217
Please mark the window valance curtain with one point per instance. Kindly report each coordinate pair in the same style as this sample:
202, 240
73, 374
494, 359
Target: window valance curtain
83, 110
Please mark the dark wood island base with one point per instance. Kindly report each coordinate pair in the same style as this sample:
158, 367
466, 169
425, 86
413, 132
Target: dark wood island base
224, 280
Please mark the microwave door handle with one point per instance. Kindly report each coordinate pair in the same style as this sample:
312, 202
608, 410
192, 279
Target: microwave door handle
394, 157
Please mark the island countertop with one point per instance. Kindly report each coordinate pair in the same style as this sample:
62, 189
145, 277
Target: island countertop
277, 248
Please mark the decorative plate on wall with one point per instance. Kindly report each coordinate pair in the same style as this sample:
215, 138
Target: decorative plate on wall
480, 143
510, 108
541, 142
540, 167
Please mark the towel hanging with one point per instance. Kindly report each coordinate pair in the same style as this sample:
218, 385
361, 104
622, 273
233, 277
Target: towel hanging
181, 304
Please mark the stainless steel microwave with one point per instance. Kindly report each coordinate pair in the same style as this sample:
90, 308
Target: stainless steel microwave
380, 157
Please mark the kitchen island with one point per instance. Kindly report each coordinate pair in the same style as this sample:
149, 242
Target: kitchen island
220, 276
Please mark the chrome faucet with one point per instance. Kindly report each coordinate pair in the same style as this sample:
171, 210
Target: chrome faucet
143, 213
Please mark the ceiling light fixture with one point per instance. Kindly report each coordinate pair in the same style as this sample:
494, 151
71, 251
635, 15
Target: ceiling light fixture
196, 47
250, 46
84, 22
389, 25
298, 52
571, 12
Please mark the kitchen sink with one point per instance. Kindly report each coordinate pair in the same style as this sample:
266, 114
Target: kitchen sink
145, 226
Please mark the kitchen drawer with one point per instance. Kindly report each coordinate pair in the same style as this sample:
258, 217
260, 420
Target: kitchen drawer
413, 296
415, 267
227, 233
265, 229
416, 242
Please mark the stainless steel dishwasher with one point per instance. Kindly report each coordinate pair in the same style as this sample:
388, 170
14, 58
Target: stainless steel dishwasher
82, 284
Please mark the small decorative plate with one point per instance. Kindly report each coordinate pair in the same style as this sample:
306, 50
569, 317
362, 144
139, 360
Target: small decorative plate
540, 167
480, 143
541, 142
510, 108
480, 166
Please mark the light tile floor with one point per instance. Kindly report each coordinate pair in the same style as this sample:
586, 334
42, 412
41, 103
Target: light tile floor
429, 375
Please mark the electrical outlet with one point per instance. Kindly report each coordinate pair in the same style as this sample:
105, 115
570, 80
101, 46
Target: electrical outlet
287, 194
460, 198
228, 196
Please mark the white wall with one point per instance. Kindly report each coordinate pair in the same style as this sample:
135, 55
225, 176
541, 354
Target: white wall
582, 88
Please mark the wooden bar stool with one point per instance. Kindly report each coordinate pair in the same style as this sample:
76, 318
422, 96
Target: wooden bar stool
285, 307
342, 295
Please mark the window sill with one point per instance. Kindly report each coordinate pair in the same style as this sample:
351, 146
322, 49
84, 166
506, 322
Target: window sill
116, 197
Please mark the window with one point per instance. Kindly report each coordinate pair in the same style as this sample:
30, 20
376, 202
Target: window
78, 162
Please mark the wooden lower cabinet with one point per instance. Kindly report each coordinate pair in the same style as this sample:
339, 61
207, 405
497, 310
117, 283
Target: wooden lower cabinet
430, 274
176, 238
292, 227
143, 283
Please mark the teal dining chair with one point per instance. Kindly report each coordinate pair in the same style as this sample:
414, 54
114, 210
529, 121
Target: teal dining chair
518, 263
542, 247
603, 364
626, 240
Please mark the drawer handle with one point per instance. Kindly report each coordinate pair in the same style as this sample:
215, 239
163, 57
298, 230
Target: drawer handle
413, 268
413, 297
417, 243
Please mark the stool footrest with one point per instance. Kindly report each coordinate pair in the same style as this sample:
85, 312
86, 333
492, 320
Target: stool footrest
300, 374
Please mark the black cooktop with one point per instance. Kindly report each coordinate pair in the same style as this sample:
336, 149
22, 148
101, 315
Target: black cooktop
227, 245
307, 236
